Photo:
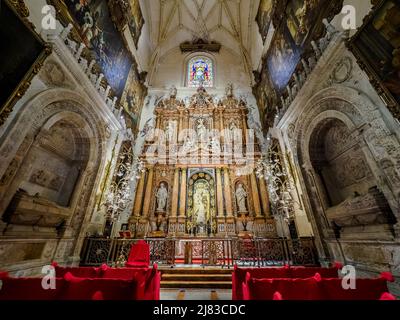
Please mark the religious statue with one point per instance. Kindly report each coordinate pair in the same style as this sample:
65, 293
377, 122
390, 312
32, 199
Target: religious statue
201, 204
229, 90
189, 144
201, 130
173, 92
162, 196
170, 131
241, 196
234, 132
215, 145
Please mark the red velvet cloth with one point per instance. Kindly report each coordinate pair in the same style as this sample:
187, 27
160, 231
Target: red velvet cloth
30, 289
82, 272
139, 256
148, 280
239, 274
106, 289
315, 288
366, 289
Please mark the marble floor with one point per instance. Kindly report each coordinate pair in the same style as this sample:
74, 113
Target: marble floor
196, 294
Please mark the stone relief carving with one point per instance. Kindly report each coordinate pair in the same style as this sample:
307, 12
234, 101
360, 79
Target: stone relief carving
391, 173
53, 75
337, 140
342, 71
10, 172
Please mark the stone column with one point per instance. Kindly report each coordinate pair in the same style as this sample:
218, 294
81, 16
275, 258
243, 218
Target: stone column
182, 207
139, 196
228, 193
148, 194
220, 198
175, 194
256, 198
264, 198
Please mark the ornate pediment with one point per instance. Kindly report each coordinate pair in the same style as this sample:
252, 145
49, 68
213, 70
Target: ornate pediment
201, 100
171, 103
200, 45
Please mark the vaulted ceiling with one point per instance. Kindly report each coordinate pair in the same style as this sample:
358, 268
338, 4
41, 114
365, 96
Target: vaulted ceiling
229, 22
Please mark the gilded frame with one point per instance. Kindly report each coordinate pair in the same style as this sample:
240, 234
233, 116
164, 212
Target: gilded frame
376, 81
22, 13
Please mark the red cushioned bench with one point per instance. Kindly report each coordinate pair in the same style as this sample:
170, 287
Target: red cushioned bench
69, 288
239, 275
87, 284
148, 278
314, 288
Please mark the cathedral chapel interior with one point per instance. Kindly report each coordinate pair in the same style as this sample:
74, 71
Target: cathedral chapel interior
213, 135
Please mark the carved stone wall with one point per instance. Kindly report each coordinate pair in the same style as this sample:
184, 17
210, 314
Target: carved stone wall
53, 151
346, 151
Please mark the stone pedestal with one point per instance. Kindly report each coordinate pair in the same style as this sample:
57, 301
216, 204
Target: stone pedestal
181, 226
142, 228
230, 226
221, 228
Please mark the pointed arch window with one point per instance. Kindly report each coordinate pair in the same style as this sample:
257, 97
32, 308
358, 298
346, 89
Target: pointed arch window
200, 71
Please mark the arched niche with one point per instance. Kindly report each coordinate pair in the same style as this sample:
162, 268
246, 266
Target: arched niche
201, 197
70, 130
339, 171
339, 162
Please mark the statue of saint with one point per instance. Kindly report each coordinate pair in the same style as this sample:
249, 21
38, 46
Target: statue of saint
173, 92
215, 145
200, 204
241, 196
170, 130
229, 90
201, 130
162, 196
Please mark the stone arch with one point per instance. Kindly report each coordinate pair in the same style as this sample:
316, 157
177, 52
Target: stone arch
336, 109
33, 123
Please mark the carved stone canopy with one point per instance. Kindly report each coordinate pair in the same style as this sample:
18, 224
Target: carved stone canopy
200, 45
202, 99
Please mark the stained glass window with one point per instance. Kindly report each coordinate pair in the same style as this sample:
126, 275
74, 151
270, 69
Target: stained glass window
200, 72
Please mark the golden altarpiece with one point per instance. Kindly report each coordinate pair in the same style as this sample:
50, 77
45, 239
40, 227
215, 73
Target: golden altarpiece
199, 179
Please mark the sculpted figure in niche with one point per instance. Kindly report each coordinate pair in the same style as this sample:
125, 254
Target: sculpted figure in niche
170, 131
201, 203
241, 196
201, 130
162, 197
12, 169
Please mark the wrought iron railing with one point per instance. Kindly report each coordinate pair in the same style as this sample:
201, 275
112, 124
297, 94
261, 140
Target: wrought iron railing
209, 252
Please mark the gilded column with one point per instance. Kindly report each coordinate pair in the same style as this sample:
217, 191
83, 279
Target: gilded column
244, 117
148, 194
220, 198
182, 207
180, 124
256, 198
264, 198
228, 193
175, 194
139, 196
221, 126
158, 122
